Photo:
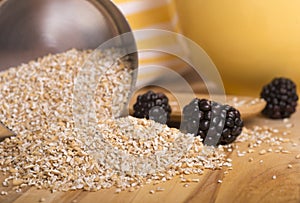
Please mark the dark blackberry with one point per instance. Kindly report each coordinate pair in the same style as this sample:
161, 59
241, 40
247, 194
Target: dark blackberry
281, 97
154, 106
201, 116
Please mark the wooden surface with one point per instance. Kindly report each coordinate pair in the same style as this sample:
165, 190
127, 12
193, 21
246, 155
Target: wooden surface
246, 182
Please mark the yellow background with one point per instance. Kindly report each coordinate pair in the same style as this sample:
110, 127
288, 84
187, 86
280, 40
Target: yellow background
249, 41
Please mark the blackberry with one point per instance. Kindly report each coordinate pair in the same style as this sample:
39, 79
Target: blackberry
154, 106
281, 97
201, 116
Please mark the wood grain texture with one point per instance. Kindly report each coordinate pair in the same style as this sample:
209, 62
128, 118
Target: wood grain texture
247, 182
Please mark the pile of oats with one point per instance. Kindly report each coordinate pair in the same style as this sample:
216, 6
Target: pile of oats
265, 139
64, 109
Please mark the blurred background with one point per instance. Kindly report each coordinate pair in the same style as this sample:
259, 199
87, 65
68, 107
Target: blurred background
250, 42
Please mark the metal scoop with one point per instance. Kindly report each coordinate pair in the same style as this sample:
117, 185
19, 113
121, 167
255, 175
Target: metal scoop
34, 28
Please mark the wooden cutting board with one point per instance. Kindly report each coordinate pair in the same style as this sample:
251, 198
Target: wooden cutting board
266, 178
